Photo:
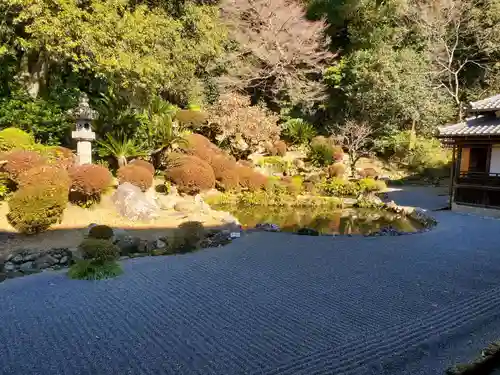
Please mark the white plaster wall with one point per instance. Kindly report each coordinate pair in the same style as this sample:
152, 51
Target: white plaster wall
495, 159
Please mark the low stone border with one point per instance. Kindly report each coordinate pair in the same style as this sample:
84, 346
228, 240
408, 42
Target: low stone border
488, 361
26, 262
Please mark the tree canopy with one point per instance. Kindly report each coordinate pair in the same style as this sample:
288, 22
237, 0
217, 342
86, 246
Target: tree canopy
393, 64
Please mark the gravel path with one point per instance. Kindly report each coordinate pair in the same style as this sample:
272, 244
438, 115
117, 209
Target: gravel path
268, 304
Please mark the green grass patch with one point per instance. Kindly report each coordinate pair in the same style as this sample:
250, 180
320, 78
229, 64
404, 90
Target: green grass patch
89, 270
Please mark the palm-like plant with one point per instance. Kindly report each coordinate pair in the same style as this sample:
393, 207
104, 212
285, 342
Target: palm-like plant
120, 148
299, 131
163, 132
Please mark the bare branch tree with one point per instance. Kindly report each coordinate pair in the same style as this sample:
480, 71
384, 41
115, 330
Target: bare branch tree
357, 139
280, 52
445, 24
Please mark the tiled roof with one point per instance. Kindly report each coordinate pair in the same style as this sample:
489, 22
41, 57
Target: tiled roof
492, 104
479, 126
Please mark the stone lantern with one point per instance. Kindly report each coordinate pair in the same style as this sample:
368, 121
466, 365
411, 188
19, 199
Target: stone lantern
83, 133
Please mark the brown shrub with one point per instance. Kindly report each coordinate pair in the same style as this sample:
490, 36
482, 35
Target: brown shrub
45, 175
200, 146
61, 156
292, 185
336, 170
191, 175
251, 180
338, 153
234, 119
246, 163
90, 180
280, 148
368, 172
144, 164
135, 175
226, 172
20, 161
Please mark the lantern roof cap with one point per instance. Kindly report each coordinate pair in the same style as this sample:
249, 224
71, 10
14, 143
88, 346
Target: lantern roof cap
83, 110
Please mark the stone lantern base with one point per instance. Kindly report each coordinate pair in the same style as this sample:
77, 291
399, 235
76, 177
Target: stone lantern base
84, 146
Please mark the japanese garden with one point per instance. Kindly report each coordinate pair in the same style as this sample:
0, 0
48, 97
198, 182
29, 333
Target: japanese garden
162, 129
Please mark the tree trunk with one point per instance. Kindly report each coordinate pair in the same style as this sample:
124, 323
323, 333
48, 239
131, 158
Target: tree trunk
352, 161
413, 136
122, 161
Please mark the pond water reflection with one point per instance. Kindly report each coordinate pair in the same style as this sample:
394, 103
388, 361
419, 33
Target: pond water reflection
325, 221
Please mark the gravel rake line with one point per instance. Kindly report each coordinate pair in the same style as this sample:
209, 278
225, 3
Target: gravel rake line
348, 358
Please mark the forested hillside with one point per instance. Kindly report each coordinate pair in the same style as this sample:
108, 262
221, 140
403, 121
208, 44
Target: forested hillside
310, 66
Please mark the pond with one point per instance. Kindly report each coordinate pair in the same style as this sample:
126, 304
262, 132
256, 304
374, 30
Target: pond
325, 221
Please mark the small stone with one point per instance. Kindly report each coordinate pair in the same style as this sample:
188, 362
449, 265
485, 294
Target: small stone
45, 261
9, 267
63, 260
27, 267
30, 257
9, 257
128, 245
307, 232
17, 259
160, 244
57, 255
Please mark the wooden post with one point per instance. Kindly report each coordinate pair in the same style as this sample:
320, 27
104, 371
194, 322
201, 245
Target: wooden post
452, 174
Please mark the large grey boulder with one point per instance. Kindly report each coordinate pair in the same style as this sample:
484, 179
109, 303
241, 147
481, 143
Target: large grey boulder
133, 204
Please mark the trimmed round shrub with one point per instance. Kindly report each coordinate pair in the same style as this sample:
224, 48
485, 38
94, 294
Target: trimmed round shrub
368, 172
319, 140
45, 175
200, 146
61, 156
101, 232
293, 185
20, 161
336, 170
191, 175
98, 250
90, 180
144, 164
338, 153
280, 148
136, 175
251, 180
35, 208
226, 172
246, 163
13, 138
321, 154
369, 185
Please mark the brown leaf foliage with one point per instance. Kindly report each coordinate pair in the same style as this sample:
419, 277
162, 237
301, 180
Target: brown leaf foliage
136, 175
191, 175
242, 125
90, 179
144, 164
280, 50
44, 175
20, 161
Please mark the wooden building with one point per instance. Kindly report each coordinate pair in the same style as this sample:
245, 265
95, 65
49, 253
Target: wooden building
475, 172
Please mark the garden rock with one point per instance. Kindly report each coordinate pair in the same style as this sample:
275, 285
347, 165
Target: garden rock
9, 266
216, 239
128, 245
17, 259
133, 204
307, 232
267, 227
27, 267
45, 261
